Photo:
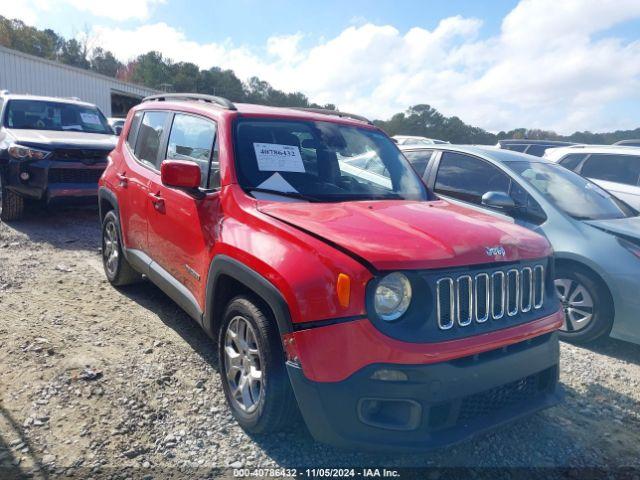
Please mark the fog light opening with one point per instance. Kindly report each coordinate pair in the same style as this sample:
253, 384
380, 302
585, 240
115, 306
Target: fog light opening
390, 414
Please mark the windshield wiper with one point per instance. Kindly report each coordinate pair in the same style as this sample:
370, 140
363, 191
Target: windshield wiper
298, 195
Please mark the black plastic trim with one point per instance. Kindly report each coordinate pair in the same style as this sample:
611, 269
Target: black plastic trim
225, 265
325, 323
330, 408
165, 282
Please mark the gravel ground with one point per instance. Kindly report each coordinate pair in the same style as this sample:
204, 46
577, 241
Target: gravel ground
96, 381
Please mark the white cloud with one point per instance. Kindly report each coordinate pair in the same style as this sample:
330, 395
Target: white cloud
552, 64
116, 9
30, 11
25, 10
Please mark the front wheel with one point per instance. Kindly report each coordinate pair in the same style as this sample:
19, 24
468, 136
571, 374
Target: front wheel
11, 204
587, 306
252, 368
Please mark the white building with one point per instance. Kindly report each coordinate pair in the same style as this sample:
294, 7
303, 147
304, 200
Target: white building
23, 73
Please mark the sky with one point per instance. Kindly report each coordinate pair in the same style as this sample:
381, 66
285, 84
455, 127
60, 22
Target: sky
563, 65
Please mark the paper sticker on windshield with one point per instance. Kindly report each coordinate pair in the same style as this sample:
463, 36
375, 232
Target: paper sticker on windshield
90, 118
273, 157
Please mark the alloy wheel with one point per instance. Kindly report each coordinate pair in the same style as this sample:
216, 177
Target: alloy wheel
110, 251
243, 364
577, 304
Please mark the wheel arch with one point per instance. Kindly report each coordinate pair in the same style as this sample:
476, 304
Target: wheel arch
229, 277
577, 264
107, 201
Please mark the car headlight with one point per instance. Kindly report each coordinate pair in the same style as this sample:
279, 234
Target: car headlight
27, 153
392, 296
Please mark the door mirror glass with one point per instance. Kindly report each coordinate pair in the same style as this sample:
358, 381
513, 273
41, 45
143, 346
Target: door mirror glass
499, 200
180, 174
118, 130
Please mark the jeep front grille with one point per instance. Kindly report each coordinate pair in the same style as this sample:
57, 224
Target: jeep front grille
464, 299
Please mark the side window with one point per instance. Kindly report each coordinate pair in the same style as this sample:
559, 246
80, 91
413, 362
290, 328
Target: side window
537, 150
133, 130
149, 137
572, 161
419, 160
468, 178
613, 168
192, 139
516, 148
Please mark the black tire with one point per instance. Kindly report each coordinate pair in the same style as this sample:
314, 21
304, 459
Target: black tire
120, 272
11, 204
276, 407
602, 311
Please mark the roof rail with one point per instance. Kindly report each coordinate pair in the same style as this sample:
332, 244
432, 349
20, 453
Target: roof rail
220, 101
335, 113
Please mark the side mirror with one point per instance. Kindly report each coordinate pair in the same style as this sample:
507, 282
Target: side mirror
180, 174
118, 130
499, 200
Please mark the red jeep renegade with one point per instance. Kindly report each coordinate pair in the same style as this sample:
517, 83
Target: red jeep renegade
334, 282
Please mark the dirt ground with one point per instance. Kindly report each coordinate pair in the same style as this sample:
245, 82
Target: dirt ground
99, 382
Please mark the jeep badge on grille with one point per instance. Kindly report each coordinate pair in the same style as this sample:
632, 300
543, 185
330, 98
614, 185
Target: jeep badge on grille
493, 251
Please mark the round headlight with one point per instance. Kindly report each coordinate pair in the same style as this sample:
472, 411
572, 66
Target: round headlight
393, 296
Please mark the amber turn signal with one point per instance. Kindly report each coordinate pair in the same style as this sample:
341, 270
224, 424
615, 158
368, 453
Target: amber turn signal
344, 289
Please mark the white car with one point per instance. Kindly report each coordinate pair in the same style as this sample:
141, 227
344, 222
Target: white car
615, 168
414, 140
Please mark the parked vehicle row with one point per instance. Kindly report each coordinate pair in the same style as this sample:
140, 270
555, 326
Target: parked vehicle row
614, 168
531, 147
52, 150
595, 236
392, 307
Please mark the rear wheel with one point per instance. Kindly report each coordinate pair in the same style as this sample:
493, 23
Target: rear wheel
252, 368
587, 306
11, 204
119, 272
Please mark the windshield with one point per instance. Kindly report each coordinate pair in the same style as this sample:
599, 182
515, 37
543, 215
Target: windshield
575, 195
43, 115
322, 161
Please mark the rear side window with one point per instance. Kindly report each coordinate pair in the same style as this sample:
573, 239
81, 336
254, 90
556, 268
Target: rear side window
537, 150
419, 160
468, 178
133, 130
572, 161
149, 137
613, 168
516, 148
192, 138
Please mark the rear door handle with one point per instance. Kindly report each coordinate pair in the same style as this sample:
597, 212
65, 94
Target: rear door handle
124, 181
157, 201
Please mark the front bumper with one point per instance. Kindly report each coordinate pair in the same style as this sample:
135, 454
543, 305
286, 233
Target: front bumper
438, 404
55, 181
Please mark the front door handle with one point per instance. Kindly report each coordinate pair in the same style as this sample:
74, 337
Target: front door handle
157, 201
124, 181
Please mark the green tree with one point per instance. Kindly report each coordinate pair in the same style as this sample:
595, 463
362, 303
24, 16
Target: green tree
74, 53
104, 62
152, 70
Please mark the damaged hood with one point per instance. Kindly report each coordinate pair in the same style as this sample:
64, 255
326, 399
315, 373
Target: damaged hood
412, 235
53, 139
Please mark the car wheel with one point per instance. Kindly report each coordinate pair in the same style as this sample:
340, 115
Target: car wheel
587, 306
252, 368
11, 204
119, 272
